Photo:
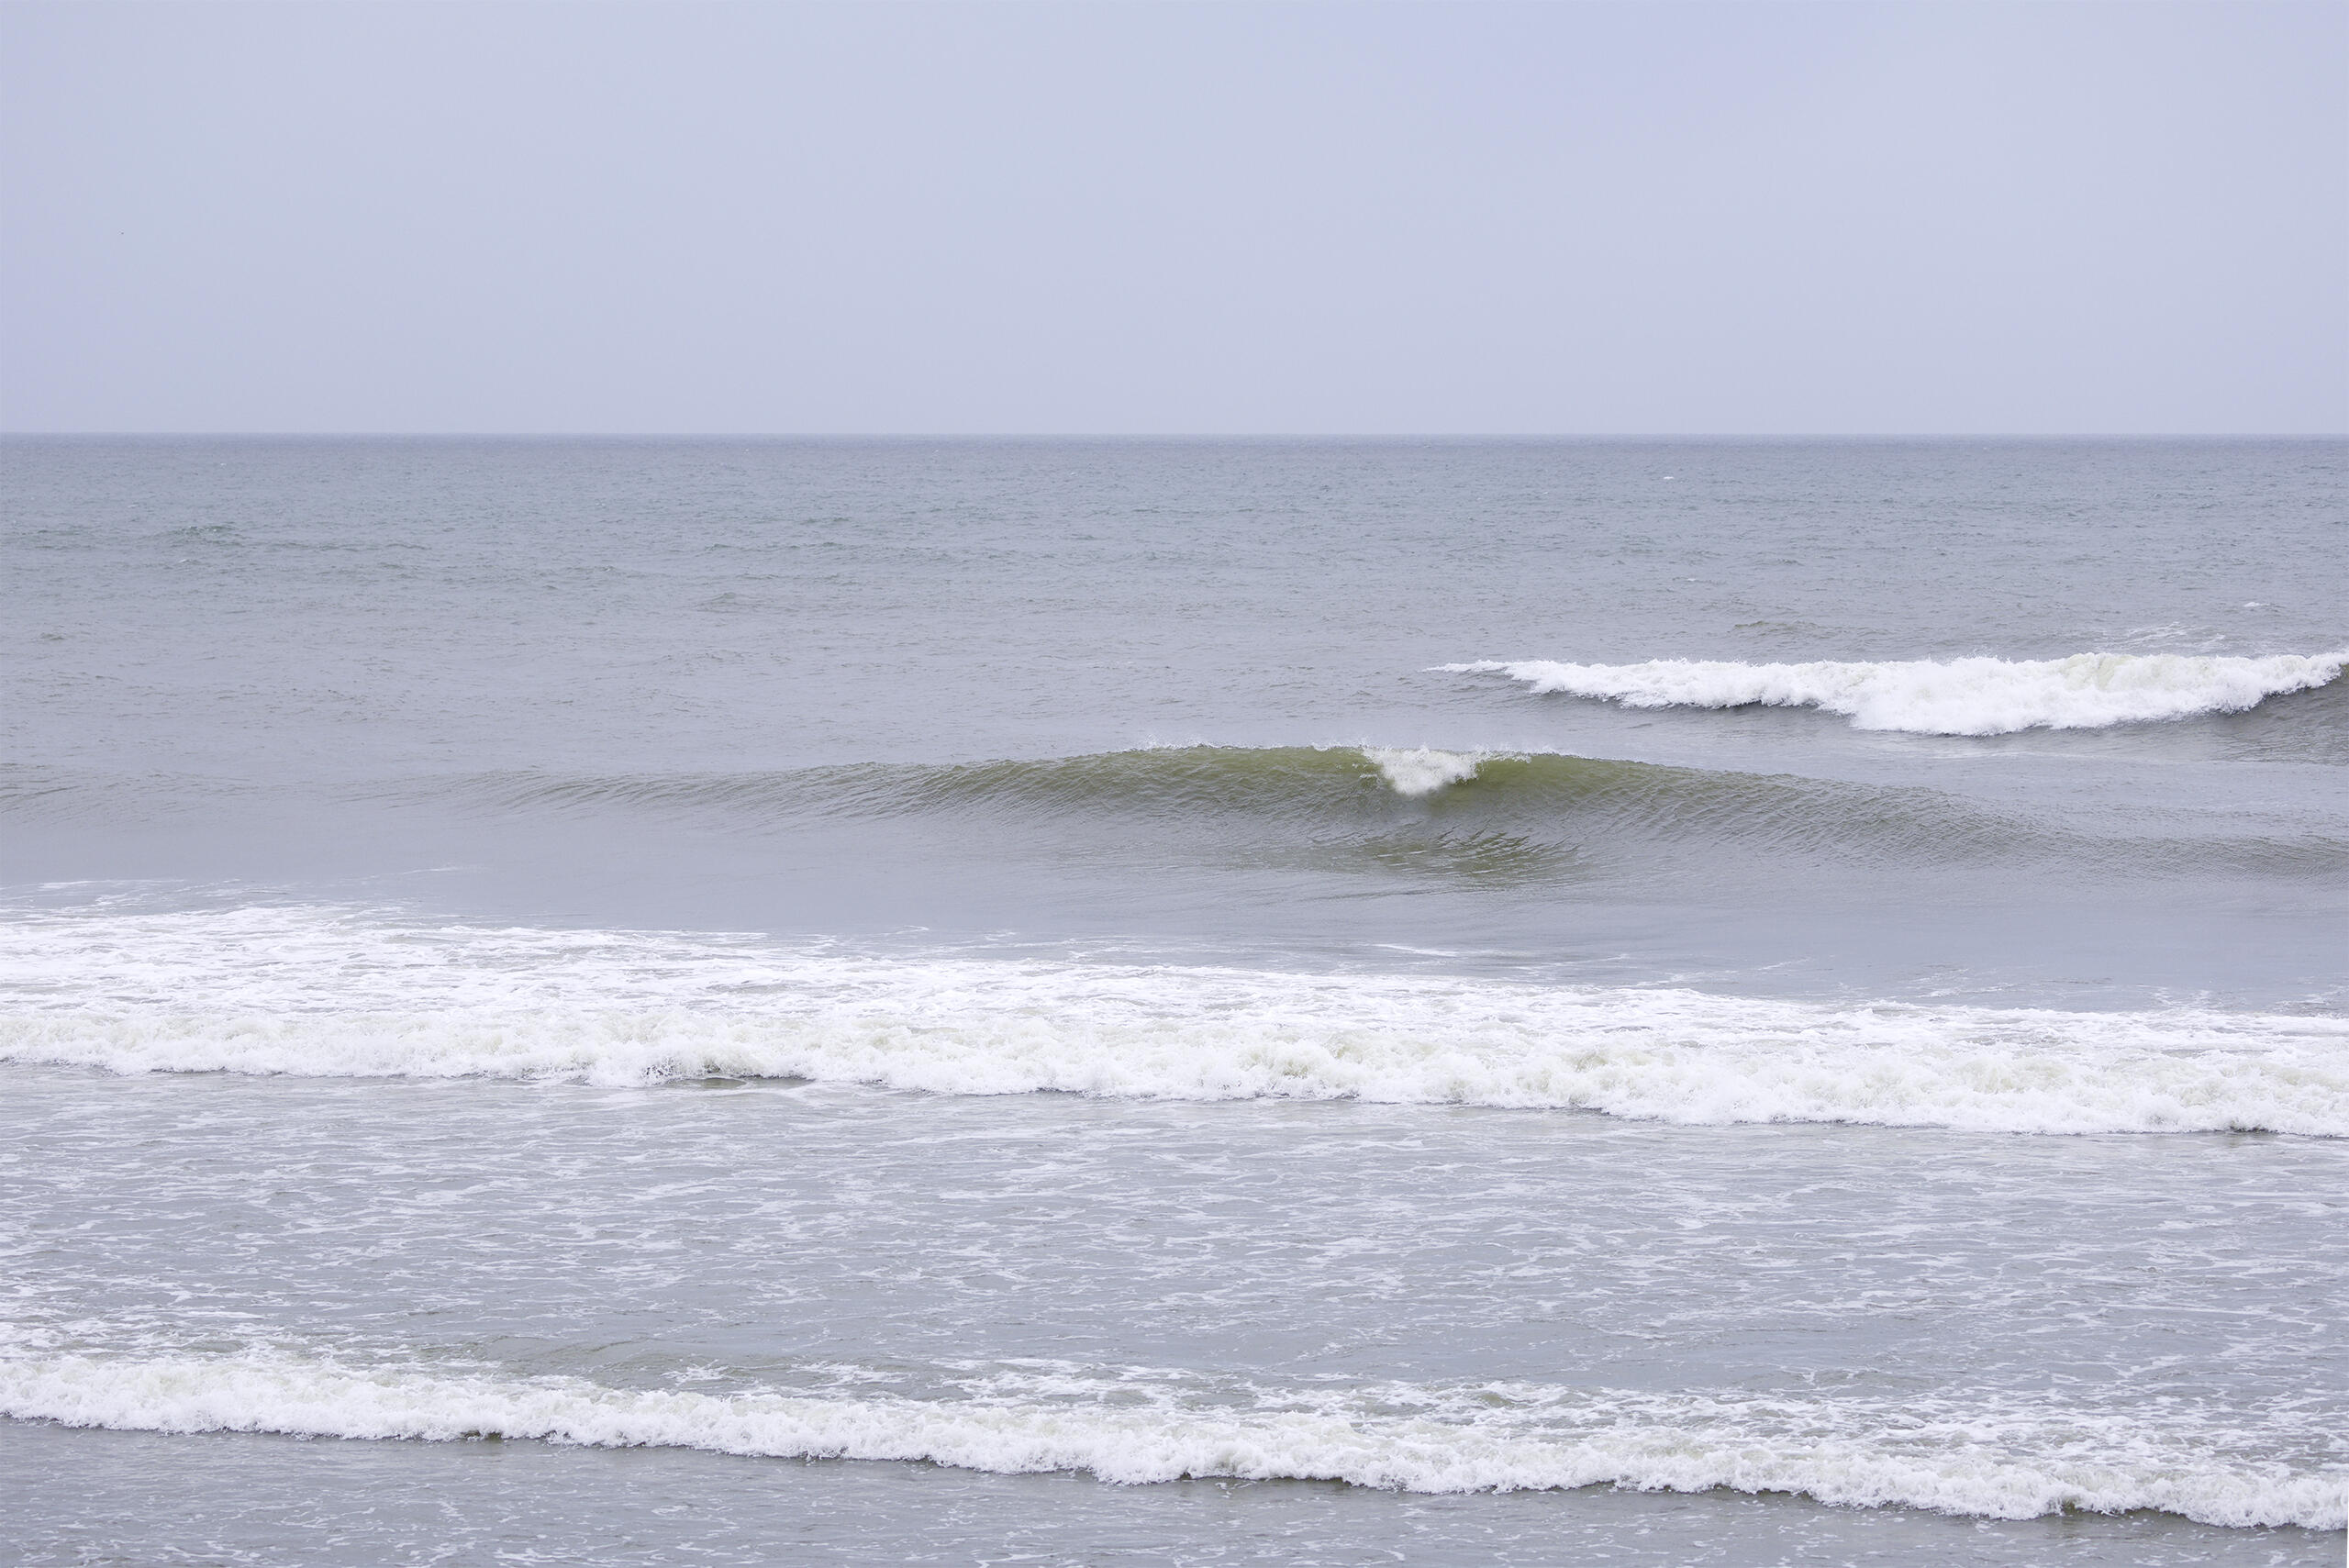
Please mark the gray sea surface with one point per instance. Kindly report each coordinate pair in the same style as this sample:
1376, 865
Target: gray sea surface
720, 1001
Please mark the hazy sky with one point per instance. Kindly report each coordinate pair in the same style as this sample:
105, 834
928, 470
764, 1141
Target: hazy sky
1121, 217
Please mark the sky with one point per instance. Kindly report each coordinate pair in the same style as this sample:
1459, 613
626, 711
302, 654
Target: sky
1129, 218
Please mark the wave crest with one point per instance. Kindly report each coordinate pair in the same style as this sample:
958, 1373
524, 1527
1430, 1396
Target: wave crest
1543, 814
1498, 818
1422, 770
1958, 696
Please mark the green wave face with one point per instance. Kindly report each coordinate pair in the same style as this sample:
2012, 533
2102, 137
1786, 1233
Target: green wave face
1311, 788
1417, 814
1510, 817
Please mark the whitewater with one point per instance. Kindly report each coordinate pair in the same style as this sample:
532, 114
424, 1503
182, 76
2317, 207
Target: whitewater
334, 992
2010, 1461
1981, 695
864, 1002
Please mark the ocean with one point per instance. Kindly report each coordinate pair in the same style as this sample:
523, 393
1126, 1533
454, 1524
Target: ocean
735, 1001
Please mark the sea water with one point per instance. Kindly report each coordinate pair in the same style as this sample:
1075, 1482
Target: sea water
735, 1001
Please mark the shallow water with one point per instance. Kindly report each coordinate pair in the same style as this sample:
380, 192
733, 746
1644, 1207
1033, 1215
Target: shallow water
1010, 1001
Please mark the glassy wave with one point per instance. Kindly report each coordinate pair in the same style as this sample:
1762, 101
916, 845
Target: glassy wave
1957, 696
1307, 793
1494, 813
1506, 815
334, 992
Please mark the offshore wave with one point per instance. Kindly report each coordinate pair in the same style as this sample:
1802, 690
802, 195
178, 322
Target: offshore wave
1495, 813
1498, 816
1957, 696
2002, 1463
1302, 783
336, 992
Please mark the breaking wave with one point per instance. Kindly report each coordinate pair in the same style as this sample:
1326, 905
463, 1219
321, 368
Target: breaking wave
338, 993
1501, 816
1505, 813
1958, 696
2009, 1463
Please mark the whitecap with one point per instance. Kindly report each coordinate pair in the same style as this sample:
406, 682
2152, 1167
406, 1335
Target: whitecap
1957, 696
1417, 772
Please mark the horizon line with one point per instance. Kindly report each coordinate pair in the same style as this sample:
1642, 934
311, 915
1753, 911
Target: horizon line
1186, 435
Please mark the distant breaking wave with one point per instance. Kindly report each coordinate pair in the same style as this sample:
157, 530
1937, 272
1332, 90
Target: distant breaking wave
338, 992
1958, 696
2006, 1461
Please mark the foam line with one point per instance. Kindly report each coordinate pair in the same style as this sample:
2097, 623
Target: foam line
1997, 1463
1957, 696
332, 992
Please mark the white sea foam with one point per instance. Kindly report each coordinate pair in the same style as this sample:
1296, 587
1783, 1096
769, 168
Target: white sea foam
338, 992
1957, 696
2002, 1463
1422, 770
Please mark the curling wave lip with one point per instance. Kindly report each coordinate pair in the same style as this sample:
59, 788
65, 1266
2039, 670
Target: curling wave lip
1957, 696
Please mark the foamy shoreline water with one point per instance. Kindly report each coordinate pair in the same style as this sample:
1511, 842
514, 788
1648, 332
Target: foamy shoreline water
1995, 1463
332, 992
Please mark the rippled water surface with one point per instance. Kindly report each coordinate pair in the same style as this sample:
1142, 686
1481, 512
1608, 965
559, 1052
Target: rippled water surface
897, 1001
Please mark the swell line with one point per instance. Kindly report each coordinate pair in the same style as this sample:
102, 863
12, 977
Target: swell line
1505, 816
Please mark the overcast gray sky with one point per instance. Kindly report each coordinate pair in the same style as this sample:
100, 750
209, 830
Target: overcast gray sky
1111, 218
